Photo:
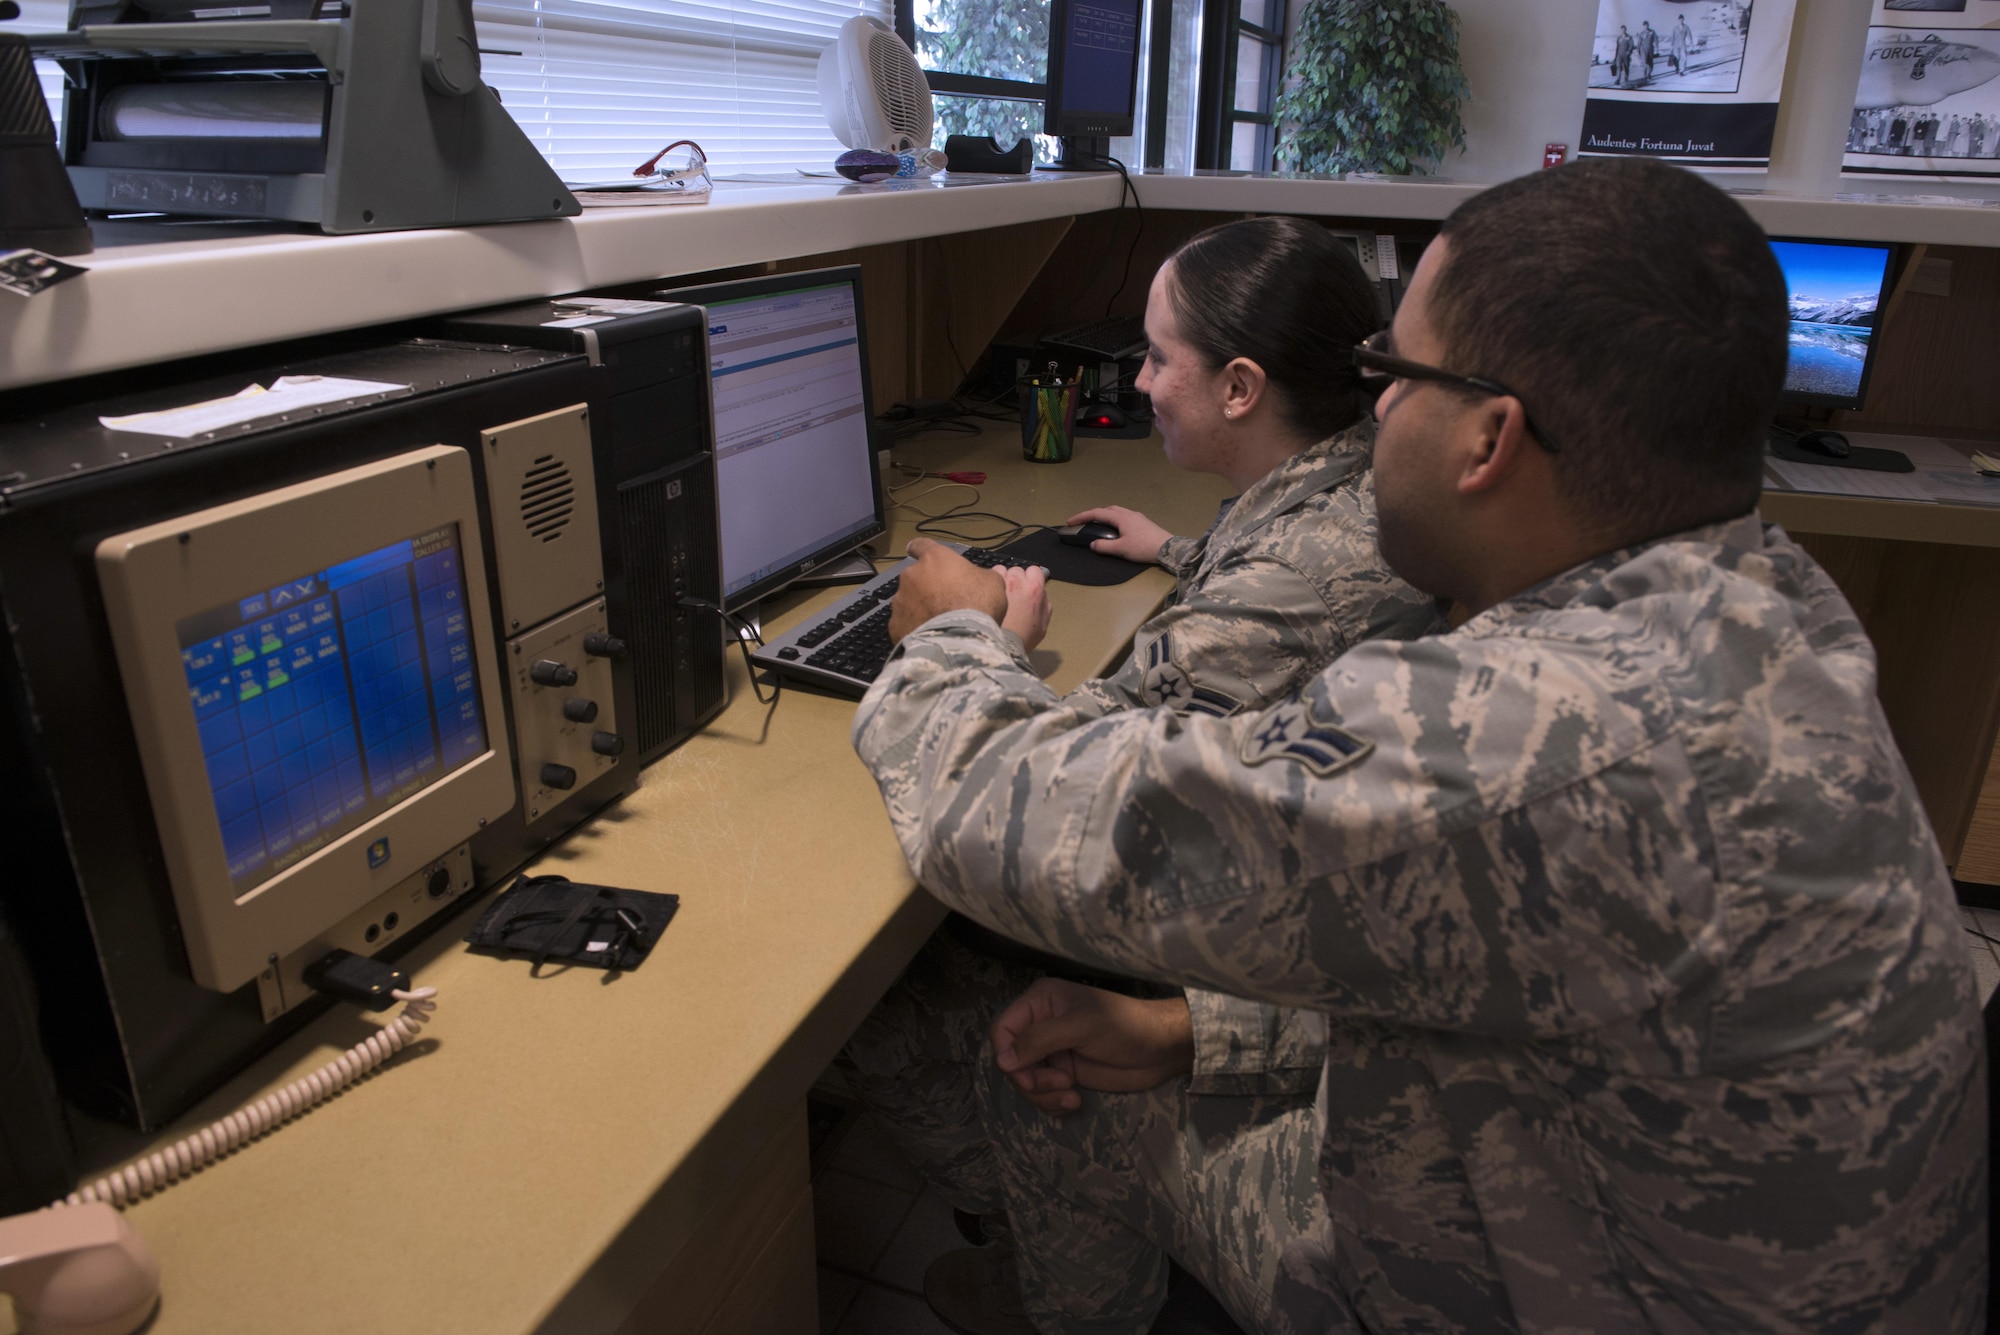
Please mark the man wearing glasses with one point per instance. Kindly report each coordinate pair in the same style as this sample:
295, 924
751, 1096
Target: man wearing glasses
1648, 1004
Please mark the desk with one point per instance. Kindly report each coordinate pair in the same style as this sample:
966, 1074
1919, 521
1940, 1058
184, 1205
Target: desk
1925, 581
561, 1152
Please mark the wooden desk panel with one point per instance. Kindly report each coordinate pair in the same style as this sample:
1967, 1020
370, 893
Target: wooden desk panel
544, 1154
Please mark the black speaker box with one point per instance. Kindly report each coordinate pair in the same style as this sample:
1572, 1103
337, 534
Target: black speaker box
38, 208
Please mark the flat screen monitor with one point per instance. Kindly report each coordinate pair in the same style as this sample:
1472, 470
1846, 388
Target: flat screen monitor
313, 688
1836, 290
1093, 67
796, 482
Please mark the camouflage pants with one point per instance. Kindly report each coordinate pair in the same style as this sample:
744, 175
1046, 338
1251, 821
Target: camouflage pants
1101, 1198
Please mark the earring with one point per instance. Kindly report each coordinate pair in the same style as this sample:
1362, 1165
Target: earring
1229, 412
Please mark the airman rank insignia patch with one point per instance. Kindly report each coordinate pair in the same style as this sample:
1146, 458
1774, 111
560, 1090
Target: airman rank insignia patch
1290, 732
1166, 683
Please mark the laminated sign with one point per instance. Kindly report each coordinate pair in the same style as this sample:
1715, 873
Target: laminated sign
1690, 81
1928, 100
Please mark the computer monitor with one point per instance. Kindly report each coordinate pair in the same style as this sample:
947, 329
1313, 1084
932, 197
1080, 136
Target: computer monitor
1836, 290
1093, 78
796, 482
314, 695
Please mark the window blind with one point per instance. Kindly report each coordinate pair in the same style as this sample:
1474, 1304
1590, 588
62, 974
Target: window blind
600, 86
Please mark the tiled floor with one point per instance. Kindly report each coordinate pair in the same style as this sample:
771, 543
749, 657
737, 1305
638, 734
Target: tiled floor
879, 1228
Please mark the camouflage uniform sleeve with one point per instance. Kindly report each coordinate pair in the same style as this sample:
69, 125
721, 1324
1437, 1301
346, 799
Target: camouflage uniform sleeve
1250, 1047
1376, 847
1244, 636
1178, 555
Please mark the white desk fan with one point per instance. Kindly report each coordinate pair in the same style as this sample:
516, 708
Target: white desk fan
873, 90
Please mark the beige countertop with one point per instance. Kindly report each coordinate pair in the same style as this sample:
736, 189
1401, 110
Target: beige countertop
538, 1158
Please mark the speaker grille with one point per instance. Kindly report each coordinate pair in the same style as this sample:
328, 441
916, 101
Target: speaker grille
667, 536
24, 112
548, 498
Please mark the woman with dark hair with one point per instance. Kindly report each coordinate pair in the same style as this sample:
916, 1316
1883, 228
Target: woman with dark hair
1249, 327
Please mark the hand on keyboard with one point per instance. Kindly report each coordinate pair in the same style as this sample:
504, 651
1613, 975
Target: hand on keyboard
939, 580
1028, 608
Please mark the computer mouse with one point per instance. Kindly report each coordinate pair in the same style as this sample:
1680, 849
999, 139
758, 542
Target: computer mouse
1830, 443
1082, 535
1102, 417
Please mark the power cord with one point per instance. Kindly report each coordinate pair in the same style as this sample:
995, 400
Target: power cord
742, 632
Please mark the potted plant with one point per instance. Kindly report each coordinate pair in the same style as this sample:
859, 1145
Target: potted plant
1372, 85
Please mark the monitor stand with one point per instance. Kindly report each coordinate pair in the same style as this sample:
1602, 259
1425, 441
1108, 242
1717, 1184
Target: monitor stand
1080, 153
856, 569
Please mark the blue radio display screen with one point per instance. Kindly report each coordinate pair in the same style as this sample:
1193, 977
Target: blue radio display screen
327, 699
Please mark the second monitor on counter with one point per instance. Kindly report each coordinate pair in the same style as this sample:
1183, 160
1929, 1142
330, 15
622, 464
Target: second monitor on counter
796, 481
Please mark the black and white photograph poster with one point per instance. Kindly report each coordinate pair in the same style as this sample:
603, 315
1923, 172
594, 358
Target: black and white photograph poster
1689, 81
1928, 101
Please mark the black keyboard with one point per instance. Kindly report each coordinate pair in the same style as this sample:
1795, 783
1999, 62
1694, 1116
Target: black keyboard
1114, 337
844, 648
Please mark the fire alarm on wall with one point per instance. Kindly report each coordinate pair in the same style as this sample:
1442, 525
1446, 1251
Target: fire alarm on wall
1554, 155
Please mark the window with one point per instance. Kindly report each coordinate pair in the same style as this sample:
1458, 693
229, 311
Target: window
1242, 64
986, 62
599, 85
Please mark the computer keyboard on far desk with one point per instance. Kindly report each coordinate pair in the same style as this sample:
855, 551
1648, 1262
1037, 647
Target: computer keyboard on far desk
843, 648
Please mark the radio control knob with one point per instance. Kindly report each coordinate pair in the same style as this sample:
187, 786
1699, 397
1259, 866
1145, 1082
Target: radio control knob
548, 672
580, 711
600, 645
558, 776
607, 743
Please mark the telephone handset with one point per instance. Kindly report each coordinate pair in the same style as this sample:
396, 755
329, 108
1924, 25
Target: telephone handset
78, 1270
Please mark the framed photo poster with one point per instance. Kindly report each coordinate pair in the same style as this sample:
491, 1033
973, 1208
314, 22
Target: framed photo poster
1928, 101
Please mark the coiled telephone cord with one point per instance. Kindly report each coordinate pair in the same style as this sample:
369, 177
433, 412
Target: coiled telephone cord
257, 1118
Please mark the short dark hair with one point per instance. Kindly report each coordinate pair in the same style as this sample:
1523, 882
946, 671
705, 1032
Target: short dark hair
1292, 298
1642, 317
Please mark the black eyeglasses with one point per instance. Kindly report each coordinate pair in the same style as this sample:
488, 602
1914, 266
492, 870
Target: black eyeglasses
1379, 368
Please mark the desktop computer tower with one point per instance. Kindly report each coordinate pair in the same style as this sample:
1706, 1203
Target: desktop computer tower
92, 896
653, 441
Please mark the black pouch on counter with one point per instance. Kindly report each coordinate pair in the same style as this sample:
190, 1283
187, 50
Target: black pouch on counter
555, 918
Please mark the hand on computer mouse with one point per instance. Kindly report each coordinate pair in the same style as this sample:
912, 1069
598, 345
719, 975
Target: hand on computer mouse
1139, 538
1028, 609
942, 581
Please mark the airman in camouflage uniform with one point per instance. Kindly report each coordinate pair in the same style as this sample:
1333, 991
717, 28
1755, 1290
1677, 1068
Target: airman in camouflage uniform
1647, 1003
1281, 584
1285, 580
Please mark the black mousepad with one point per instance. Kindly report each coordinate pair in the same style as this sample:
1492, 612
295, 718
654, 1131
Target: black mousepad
1860, 456
1072, 565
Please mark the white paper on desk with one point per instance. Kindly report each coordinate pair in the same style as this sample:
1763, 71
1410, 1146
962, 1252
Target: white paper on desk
1962, 486
610, 305
1850, 481
576, 321
252, 403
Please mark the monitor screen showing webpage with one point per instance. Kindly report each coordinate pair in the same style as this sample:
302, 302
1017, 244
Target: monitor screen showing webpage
795, 465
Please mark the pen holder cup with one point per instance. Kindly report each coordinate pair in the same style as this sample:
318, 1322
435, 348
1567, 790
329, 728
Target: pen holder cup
1048, 420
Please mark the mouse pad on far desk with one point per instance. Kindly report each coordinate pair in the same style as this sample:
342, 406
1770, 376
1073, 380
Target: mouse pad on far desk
1072, 565
1860, 456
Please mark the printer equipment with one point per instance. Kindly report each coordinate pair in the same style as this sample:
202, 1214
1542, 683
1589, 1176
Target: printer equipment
372, 119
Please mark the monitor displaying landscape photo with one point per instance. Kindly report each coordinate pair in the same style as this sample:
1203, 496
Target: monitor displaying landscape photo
1835, 291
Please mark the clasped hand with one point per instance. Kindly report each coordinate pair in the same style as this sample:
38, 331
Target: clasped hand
1059, 1038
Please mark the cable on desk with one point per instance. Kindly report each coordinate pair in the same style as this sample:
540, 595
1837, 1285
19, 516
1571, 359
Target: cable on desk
936, 527
742, 632
263, 1115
